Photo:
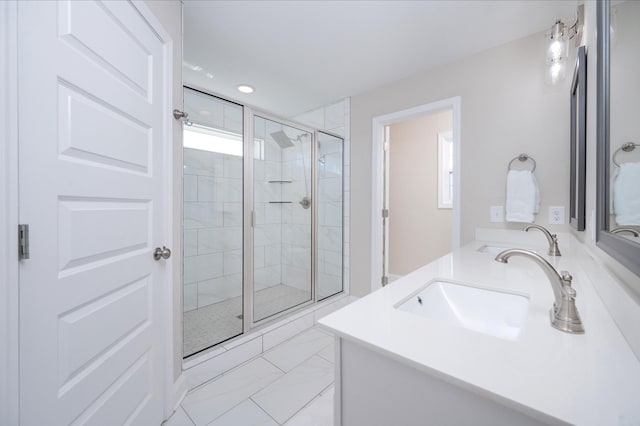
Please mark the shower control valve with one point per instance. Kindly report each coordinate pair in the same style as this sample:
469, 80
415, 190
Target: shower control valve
305, 202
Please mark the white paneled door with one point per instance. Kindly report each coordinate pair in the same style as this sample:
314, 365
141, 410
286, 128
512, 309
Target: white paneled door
92, 119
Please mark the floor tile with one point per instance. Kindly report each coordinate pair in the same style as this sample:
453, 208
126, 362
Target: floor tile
329, 352
318, 413
179, 418
287, 395
293, 352
278, 335
210, 401
246, 414
224, 361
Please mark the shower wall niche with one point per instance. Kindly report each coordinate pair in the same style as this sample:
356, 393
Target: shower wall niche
294, 176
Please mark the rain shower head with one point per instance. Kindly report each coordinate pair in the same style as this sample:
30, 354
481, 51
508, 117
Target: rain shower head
282, 139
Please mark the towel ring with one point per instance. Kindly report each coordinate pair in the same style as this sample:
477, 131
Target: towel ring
626, 147
523, 158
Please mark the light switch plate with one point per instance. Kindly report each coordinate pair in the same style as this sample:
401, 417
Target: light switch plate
496, 214
556, 215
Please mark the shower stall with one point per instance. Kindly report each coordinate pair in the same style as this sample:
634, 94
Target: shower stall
262, 227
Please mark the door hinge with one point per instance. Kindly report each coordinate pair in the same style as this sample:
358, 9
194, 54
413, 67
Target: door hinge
385, 213
385, 280
23, 242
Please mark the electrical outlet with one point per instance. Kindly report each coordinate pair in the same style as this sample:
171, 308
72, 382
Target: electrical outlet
496, 214
556, 215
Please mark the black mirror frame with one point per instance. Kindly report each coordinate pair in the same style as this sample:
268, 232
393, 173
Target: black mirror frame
578, 169
623, 250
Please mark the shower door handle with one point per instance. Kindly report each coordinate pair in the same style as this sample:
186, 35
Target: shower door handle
161, 253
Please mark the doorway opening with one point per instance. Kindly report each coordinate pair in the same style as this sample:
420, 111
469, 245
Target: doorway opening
415, 188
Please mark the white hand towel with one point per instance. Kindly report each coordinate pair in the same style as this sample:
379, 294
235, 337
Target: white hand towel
523, 196
626, 194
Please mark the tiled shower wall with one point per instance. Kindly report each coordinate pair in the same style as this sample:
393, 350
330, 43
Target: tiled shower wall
283, 231
212, 227
213, 215
334, 118
212, 208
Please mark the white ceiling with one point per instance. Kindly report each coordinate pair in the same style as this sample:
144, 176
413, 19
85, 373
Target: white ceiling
300, 55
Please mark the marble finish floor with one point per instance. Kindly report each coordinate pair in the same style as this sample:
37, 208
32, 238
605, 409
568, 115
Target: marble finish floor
291, 384
212, 324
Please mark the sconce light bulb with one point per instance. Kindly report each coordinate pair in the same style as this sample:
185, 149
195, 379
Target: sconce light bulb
555, 49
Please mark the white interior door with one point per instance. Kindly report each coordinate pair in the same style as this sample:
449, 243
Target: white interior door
91, 145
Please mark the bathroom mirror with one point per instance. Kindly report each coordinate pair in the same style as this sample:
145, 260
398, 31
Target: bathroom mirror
578, 141
618, 89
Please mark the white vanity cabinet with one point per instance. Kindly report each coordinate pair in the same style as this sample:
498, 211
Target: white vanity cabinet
394, 367
377, 390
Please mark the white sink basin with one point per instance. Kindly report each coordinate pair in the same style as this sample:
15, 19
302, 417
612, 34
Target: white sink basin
486, 311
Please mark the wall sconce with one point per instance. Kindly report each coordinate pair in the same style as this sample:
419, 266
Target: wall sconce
557, 47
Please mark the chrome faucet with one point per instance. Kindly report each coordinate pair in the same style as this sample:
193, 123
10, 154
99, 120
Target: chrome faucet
629, 230
552, 238
563, 314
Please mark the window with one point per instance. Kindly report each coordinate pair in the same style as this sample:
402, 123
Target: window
212, 140
445, 170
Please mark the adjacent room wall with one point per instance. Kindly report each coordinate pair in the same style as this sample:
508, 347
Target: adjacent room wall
506, 109
419, 231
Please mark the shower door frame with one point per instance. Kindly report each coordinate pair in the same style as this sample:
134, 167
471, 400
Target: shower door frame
248, 324
249, 217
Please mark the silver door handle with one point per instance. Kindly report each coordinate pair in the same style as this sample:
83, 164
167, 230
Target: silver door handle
161, 253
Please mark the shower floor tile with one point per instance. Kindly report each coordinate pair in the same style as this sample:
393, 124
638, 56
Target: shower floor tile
212, 324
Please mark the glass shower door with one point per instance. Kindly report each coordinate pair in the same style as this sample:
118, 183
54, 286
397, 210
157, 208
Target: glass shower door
330, 215
213, 219
282, 217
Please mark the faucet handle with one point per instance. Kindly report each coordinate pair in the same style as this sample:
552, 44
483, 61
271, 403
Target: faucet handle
553, 247
566, 277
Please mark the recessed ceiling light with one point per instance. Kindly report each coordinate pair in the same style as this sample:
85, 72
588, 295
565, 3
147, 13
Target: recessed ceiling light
192, 67
245, 88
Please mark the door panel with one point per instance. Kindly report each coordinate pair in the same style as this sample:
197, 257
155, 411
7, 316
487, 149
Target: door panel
282, 205
212, 228
330, 215
91, 126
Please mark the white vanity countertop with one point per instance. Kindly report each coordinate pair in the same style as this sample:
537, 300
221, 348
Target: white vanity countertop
593, 378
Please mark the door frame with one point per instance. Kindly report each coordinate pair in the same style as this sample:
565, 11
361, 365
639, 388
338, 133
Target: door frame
172, 387
377, 146
9, 213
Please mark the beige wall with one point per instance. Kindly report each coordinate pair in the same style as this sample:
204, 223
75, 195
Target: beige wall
506, 109
419, 232
169, 13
